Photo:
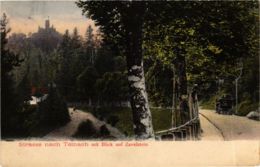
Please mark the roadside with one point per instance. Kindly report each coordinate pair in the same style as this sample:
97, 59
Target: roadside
71, 128
209, 131
233, 127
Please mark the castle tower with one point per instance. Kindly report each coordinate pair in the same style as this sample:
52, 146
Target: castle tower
47, 23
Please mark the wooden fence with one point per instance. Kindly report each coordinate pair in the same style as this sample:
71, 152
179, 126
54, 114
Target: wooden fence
189, 130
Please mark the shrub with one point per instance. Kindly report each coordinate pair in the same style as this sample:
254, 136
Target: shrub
86, 129
113, 120
209, 104
104, 131
53, 110
246, 106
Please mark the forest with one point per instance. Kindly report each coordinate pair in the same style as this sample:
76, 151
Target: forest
133, 72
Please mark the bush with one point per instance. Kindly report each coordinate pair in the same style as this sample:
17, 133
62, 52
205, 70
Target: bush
209, 104
245, 107
112, 88
113, 120
86, 129
53, 110
104, 131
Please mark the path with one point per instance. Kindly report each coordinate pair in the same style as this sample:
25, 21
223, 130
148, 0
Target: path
78, 116
209, 131
228, 127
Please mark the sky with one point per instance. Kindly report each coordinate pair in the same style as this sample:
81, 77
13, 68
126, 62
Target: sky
27, 16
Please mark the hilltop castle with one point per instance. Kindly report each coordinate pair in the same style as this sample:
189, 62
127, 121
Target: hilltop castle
46, 38
47, 27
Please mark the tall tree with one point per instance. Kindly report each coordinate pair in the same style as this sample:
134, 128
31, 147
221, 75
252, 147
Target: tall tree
89, 37
203, 34
9, 107
63, 75
90, 45
123, 22
24, 89
75, 39
86, 82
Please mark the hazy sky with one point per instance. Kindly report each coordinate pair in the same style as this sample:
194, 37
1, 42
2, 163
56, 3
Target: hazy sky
26, 16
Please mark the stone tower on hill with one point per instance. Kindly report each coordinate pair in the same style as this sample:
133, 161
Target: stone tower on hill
47, 38
47, 24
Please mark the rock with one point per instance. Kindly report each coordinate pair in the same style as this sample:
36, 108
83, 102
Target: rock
255, 115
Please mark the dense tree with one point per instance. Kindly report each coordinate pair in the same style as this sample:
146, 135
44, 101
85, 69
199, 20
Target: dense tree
86, 82
75, 39
17, 42
159, 82
64, 79
89, 37
73, 61
123, 22
104, 60
24, 89
90, 44
9, 101
112, 88
203, 35
53, 110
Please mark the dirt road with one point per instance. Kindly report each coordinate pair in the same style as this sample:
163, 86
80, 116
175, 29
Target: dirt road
209, 131
228, 127
77, 117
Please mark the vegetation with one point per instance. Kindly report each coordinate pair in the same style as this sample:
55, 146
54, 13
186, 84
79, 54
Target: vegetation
150, 54
86, 129
10, 106
160, 120
53, 111
198, 42
19, 118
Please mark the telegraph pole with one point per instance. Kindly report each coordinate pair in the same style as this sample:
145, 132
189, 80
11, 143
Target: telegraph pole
236, 84
173, 98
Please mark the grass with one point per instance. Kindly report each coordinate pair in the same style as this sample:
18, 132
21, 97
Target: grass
209, 104
246, 106
161, 117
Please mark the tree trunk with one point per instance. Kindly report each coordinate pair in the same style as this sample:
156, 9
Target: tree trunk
174, 98
182, 78
139, 102
182, 88
142, 118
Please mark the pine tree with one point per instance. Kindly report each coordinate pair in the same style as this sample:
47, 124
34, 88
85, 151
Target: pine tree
75, 39
89, 37
53, 110
24, 89
9, 101
86, 82
90, 44
64, 75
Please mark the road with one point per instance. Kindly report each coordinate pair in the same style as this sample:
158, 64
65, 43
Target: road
228, 127
78, 116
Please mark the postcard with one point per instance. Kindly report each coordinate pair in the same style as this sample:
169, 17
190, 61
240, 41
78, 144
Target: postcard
130, 83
